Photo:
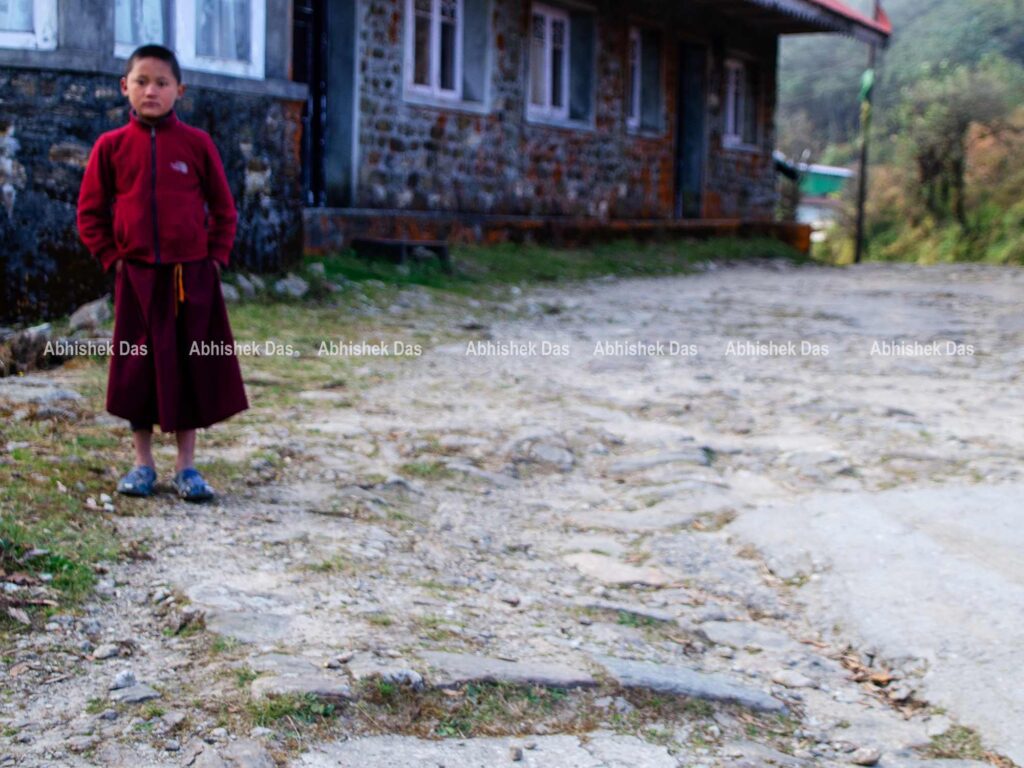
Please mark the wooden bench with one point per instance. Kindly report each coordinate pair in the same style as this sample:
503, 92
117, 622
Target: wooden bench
403, 251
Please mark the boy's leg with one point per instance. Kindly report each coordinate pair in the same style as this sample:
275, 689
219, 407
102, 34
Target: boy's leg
142, 438
186, 449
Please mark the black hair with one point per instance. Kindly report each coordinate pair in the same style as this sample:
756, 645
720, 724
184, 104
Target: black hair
154, 51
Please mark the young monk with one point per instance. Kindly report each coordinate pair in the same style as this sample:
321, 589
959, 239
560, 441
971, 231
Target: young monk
156, 207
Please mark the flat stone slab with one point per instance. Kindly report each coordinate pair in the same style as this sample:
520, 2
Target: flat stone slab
611, 571
640, 463
134, 694
600, 750
321, 686
679, 510
746, 634
248, 627
750, 754
247, 753
687, 682
453, 669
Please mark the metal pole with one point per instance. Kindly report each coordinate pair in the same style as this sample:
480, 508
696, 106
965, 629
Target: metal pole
862, 177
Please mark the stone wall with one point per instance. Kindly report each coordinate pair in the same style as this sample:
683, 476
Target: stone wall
417, 157
49, 122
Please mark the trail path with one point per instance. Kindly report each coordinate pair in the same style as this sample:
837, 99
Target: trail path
718, 525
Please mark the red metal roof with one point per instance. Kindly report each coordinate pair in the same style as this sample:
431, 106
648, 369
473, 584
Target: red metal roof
881, 24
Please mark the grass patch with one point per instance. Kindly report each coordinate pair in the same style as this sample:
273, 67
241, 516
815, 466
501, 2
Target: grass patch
304, 708
514, 264
956, 743
95, 705
427, 470
44, 485
244, 676
628, 619
223, 644
333, 564
478, 709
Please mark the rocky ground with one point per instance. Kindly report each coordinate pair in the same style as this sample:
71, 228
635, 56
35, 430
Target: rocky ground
541, 557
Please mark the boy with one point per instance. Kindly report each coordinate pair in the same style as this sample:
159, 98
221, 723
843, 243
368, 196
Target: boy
155, 205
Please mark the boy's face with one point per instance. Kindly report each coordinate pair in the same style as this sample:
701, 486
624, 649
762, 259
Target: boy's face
151, 88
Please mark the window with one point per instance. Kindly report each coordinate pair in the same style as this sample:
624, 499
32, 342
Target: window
434, 48
549, 62
137, 22
222, 36
740, 104
633, 80
560, 81
28, 24
643, 81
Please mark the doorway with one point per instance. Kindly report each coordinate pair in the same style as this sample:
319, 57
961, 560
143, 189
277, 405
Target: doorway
691, 146
324, 57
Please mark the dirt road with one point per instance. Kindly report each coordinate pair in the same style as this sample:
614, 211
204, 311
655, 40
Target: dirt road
791, 493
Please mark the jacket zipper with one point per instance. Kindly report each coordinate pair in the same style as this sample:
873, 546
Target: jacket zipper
156, 231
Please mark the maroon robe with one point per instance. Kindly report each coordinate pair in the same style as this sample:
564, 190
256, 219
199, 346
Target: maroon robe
171, 384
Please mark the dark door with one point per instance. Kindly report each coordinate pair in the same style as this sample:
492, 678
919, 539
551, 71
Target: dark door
309, 65
690, 145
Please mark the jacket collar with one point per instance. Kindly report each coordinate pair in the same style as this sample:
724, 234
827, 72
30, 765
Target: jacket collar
166, 121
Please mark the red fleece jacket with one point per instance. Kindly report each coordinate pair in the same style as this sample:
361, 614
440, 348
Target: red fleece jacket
156, 194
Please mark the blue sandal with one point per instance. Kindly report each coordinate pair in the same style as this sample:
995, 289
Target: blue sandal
138, 482
191, 486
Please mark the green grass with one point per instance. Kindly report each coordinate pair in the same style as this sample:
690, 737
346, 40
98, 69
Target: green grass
305, 708
426, 470
37, 513
627, 619
223, 644
956, 743
513, 264
244, 676
333, 564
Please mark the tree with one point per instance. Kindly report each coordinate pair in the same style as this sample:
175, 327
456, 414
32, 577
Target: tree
935, 116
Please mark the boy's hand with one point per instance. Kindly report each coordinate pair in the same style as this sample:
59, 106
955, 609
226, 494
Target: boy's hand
117, 265
216, 265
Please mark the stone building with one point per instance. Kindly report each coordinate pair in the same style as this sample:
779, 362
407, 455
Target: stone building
446, 119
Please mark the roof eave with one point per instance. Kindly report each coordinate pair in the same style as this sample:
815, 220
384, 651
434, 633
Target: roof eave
818, 17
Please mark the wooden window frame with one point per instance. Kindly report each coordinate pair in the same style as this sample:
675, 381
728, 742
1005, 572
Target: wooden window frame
546, 111
184, 35
740, 75
124, 50
433, 89
43, 36
634, 73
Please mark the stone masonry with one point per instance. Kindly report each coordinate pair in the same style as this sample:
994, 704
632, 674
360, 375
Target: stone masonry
454, 159
49, 123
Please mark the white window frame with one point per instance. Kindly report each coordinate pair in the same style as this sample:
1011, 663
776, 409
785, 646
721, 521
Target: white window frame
434, 88
124, 50
546, 110
185, 43
634, 72
43, 36
737, 80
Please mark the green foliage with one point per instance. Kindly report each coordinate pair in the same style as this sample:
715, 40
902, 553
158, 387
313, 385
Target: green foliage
512, 264
305, 708
936, 114
943, 109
